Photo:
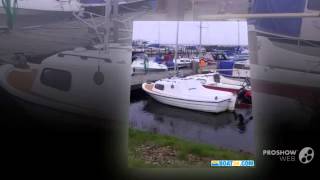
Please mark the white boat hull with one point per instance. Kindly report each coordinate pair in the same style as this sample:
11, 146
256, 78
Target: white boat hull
199, 106
85, 96
138, 66
205, 106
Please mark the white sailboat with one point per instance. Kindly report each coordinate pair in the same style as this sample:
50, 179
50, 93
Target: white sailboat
80, 81
190, 94
142, 63
285, 69
183, 62
68, 81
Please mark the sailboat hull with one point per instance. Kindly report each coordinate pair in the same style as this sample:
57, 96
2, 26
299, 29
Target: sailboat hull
205, 106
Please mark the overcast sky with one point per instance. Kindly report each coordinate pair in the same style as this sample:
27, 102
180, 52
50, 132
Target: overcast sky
213, 33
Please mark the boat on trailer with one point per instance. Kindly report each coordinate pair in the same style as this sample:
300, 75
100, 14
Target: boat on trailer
190, 94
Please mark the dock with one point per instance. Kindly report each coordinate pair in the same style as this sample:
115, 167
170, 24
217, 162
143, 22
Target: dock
139, 78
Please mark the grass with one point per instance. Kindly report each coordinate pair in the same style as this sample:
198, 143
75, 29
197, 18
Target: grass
147, 150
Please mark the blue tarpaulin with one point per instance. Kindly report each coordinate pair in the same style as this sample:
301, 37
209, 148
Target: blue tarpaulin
226, 67
283, 26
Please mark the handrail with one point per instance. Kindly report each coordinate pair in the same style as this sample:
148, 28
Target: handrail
257, 16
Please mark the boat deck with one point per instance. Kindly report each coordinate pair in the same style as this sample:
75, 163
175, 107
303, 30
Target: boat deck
138, 79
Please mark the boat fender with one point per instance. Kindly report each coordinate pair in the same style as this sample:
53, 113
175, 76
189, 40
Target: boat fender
98, 77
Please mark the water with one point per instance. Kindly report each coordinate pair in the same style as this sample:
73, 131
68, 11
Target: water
227, 130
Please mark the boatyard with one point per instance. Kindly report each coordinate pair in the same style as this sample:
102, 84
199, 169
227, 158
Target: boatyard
189, 84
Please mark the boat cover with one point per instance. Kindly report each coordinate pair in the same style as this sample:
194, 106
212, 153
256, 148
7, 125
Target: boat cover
283, 26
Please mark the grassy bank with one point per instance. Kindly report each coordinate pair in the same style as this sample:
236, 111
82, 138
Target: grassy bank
153, 150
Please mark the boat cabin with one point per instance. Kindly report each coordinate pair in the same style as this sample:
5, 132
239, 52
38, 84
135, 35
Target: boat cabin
79, 81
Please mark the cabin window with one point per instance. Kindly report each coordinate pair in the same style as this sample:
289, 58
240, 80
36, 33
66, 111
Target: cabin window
314, 4
57, 79
159, 87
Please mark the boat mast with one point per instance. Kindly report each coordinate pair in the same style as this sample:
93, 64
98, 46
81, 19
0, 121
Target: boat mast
238, 36
10, 12
107, 25
159, 51
177, 48
200, 53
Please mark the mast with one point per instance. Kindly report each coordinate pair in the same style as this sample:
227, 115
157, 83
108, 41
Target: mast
107, 25
200, 37
10, 12
177, 48
193, 10
238, 35
159, 51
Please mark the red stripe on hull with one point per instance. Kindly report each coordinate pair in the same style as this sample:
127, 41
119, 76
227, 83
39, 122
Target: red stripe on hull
235, 91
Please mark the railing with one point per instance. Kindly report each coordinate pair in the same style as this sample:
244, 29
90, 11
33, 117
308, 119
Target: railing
97, 23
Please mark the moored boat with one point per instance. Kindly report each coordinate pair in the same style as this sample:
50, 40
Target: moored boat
142, 63
80, 81
234, 69
190, 94
183, 62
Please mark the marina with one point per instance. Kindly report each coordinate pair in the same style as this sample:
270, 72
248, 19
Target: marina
200, 76
44, 60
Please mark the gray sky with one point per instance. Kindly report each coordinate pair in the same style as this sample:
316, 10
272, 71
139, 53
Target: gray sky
213, 33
